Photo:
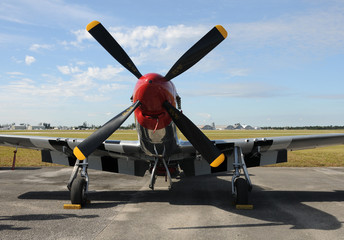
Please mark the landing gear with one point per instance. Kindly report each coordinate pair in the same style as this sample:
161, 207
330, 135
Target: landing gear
154, 173
153, 176
78, 191
241, 189
78, 183
240, 186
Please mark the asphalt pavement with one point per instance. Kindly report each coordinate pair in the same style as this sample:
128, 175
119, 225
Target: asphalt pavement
289, 203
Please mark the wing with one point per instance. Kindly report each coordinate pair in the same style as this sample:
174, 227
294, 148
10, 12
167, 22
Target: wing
257, 151
127, 157
113, 156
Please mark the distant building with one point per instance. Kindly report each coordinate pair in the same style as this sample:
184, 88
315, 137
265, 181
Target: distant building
40, 127
208, 127
18, 127
5, 127
24, 126
247, 127
238, 126
63, 128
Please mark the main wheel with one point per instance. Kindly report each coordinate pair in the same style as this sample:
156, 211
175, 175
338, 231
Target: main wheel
78, 191
241, 188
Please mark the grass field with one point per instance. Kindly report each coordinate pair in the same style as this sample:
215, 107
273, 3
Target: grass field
320, 157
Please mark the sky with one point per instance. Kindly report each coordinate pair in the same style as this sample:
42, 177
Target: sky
281, 64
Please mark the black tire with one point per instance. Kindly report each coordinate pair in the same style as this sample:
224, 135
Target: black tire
241, 188
78, 191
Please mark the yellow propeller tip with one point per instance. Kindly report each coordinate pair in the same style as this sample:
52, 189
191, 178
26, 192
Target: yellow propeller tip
222, 30
218, 160
79, 155
91, 25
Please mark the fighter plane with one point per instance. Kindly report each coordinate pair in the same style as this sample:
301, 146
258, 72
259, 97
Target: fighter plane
157, 109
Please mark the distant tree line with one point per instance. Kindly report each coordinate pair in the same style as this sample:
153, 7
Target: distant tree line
86, 126
129, 126
331, 127
47, 125
83, 126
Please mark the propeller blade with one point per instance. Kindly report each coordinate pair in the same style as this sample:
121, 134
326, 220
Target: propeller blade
196, 137
198, 51
97, 30
86, 147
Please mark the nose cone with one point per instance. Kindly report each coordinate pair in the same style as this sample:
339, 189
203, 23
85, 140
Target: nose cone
152, 90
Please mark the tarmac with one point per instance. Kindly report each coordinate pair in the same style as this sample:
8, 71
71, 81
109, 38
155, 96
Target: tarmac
289, 203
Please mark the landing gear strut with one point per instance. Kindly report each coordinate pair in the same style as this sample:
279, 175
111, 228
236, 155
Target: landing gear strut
78, 183
153, 173
240, 186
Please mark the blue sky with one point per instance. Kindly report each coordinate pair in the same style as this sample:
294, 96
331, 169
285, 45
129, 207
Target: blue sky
281, 65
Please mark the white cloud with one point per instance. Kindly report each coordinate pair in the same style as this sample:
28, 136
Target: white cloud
36, 47
150, 43
81, 35
163, 38
90, 84
111, 87
68, 69
29, 60
15, 73
64, 69
148, 36
96, 73
152, 36
107, 73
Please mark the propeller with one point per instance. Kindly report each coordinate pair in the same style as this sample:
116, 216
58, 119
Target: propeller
196, 137
97, 30
87, 147
207, 43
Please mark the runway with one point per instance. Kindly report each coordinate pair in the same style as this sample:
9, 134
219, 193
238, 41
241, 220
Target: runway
289, 203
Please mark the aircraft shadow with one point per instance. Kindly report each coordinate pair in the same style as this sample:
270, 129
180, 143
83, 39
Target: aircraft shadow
274, 207
37, 217
20, 168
